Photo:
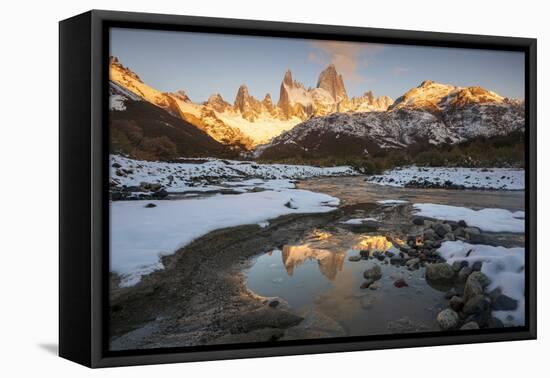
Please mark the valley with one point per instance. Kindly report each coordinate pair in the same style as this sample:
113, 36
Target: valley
312, 215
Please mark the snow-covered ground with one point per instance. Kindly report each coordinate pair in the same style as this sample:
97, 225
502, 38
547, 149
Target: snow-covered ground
140, 235
492, 220
481, 178
504, 266
201, 175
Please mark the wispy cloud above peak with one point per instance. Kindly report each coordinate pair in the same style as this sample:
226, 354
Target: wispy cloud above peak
348, 57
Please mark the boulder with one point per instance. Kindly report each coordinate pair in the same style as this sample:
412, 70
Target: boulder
476, 305
355, 258
418, 221
462, 223
448, 319
464, 273
440, 272
374, 273
475, 285
451, 293
450, 236
429, 234
456, 303
441, 229
470, 325
476, 266
366, 284
494, 323
504, 303
413, 263
459, 232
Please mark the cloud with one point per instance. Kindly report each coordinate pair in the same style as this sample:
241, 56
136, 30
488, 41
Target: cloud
348, 57
400, 70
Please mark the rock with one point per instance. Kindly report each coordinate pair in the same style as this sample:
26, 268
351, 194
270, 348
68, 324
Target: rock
462, 223
475, 284
374, 273
504, 303
366, 284
472, 231
495, 323
413, 263
439, 272
450, 236
451, 293
464, 273
470, 325
397, 261
476, 266
371, 224
482, 318
456, 303
494, 294
429, 234
150, 186
150, 205
273, 303
476, 305
411, 240
459, 232
355, 258
375, 286
404, 248
365, 253
116, 165
458, 265
378, 255
418, 221
264, 317
478, 239
399, 283
441, 229
448, 319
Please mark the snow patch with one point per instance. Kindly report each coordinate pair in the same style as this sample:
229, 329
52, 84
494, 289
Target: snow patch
483, 178
140, 235
492, 220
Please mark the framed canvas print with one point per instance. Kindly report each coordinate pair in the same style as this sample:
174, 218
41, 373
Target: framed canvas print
233, 188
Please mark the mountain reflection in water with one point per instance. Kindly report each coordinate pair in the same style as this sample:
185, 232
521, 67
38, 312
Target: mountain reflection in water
330, 263
330, 250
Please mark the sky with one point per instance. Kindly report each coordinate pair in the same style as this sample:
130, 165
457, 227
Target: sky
202, 64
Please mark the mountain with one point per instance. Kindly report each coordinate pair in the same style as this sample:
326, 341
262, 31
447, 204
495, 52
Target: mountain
249, 122
333, 83
179, 105
146, 131
431, 113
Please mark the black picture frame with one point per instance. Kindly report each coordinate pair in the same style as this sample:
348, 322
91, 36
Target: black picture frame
83, 196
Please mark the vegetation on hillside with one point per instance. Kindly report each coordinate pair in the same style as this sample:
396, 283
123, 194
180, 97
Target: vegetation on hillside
498, 151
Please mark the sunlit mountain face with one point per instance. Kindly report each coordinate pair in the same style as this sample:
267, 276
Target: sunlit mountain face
320, 121
248, 121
